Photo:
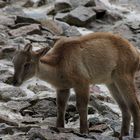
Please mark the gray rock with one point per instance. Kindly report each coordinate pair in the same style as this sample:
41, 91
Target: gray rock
81, 16
68, 30
88, 3
45, 108
63, 5
26, 30
17, 105
5, 20
24, 19
34, 3
8, 93
62, 16
38, 88
14, 10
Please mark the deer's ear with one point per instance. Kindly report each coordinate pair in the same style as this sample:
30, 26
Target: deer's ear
28, 47
42, 52
51, 59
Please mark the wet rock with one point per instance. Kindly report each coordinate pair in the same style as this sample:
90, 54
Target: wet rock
7, 94
63, 5
26, 30
6, 21
81, 16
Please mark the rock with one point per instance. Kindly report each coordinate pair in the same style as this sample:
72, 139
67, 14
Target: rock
52, 26
98, 128
2, 3
36, 38
11, 92
17, 105
34, 3
26, 30
62, 16
7, 52
100, 11
38, 88
112, 16
14, 10
51, 134
45, 108
23, 19
81, 16
134, 27
63, 5
68, 30
87, 3
6, 21
5, 74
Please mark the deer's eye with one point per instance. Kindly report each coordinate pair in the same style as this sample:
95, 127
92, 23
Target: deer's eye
27, 66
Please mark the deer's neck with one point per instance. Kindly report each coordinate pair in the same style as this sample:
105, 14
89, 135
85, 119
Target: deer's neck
53, 76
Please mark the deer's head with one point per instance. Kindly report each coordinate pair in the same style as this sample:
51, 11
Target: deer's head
25, 63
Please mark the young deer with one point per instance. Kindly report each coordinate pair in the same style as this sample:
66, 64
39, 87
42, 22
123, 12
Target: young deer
77, 62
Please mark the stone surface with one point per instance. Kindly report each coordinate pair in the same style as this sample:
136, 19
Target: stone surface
11, 92
6, 20
63, 5
81, 16
26, 30
88, 3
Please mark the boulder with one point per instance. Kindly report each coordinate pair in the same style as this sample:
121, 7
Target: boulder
81, 16
63, 5
26, 30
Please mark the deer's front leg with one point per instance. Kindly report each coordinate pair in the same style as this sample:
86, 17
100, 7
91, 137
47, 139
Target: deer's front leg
82, 97
62, 98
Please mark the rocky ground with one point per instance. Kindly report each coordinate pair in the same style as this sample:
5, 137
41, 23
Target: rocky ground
28, 112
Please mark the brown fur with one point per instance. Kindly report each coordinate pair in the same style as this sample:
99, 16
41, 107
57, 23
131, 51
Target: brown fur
77, 62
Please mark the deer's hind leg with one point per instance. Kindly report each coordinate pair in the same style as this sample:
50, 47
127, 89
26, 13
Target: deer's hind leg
126, 116
125, 84
62, 99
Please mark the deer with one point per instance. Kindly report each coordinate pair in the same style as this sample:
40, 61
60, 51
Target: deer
77, 62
